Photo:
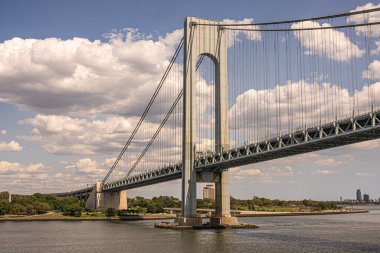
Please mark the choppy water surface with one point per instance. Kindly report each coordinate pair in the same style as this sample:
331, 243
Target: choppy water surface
330, 233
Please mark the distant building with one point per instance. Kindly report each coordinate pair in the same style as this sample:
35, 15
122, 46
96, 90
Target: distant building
341, 198
359, 195
209, 192
10, 198
366, 198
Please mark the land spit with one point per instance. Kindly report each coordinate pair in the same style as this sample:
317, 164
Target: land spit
175, 226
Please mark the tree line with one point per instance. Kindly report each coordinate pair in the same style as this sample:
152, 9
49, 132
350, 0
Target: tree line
71, 206
39, 204
157, 204
256, 203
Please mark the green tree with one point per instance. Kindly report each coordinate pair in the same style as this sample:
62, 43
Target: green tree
134, 210
4, 207
4, 196
139, 201
155, 208
41, 207
30, 209
74, 210
205, 203
18, 209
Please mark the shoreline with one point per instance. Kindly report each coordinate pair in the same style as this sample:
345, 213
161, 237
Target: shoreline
170, 216
272, 214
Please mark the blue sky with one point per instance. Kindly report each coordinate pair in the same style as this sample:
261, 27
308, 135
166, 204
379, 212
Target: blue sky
43, 162
92, 18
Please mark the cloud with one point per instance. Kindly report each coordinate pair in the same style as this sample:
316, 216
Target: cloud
249, 172
370, 17
377, 49
363, 174
82, 77
373, 71
37, 177
87, 167
366, 145
3, 132
330, 43
67, 135
263, 174
302, 103
18, 170
327, 172
234, 36
11, 146
329, 162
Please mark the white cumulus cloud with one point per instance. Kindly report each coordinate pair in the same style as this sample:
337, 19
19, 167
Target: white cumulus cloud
370, 17
11, 146
331, 43
68, 135
234, 35
79, 76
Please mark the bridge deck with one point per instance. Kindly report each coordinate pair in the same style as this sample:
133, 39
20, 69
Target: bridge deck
76, 193
338, 133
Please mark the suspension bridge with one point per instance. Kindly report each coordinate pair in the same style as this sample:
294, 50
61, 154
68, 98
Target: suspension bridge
238, 93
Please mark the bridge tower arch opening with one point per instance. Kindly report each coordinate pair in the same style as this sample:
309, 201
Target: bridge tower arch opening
204, 38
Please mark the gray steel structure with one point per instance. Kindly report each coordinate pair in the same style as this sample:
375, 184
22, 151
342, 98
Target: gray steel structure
334, 134
85, 192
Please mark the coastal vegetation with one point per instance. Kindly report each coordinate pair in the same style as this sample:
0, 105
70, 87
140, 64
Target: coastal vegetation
157, 205
276, 205
37, 204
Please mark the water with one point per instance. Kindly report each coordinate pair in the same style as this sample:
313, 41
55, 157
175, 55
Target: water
330, 233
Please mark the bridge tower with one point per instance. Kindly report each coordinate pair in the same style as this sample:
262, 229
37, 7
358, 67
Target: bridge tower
204, 37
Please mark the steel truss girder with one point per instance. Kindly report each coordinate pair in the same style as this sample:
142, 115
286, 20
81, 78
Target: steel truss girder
168, 173
78, 193
338, 133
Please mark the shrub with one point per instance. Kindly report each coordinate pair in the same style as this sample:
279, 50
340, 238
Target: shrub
73, 210
110, 212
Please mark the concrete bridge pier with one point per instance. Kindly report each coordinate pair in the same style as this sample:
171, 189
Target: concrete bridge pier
106, 199
116, 200
222, 202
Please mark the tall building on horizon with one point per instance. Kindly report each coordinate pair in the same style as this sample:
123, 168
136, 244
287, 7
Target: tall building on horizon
366, 198
359, 195
209, 192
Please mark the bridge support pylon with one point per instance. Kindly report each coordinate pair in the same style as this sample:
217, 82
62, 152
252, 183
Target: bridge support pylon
106, 199
204, 37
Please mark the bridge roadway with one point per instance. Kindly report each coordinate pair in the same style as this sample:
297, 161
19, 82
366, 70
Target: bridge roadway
334, 134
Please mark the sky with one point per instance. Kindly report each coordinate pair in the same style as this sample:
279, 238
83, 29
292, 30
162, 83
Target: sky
75, 76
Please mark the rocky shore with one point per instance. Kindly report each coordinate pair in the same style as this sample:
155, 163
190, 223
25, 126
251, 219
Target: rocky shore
174, 226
